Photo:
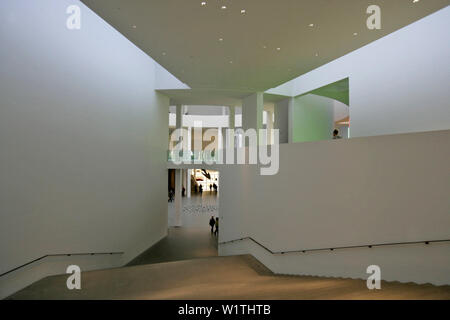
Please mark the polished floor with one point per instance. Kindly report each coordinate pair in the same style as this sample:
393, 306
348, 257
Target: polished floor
180, 244
197, 209
193, 240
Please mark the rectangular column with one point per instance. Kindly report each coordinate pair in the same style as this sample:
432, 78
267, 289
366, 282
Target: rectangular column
179, 124
232, 117
269, 127
290, 120
231, 141
178, 198
179, 114
281, 122
252, 111
184, 180
188, 183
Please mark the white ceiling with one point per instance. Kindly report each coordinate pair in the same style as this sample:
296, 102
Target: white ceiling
183, 36
214, 97
206, 110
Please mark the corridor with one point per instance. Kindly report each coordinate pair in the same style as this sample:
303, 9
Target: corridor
193, 240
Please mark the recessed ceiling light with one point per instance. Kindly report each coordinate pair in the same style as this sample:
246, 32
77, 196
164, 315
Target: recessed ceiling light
134, 27
243, 11
311, 24
220, 39
415, 1
355, 34
278, 49
203, 3
224, 7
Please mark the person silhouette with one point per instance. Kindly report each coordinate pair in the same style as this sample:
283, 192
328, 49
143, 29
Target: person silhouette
212, 222
336, 134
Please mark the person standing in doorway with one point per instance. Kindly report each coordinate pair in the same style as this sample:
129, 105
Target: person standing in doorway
216, 232
336, 134
212, 222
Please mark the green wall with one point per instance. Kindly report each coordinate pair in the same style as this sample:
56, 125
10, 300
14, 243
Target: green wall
312, 118
338, 90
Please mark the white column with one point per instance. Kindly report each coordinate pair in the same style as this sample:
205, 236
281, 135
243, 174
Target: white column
281, 122
183, 175
232, 125
189, 143
178, 198
179, 120
220, 138
252, 111
188, 184
179, 114
269, 127
232, 117
218, 181
186, 135
291, 120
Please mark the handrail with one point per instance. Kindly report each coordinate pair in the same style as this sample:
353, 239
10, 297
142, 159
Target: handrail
60, 255
334, 248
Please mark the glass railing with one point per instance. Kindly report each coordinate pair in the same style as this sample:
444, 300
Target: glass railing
192, 156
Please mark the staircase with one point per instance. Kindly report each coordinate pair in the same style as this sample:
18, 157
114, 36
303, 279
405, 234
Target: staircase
233, 277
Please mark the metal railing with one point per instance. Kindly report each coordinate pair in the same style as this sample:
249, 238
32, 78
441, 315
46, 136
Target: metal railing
59, 255
426, 242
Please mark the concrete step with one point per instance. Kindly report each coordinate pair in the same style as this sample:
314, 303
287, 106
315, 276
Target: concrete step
234, 277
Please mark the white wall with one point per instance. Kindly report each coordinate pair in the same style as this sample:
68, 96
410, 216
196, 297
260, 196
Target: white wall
281, 122
343, 193
165, 80
82, 162
398, 84
53, 265
341, 110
